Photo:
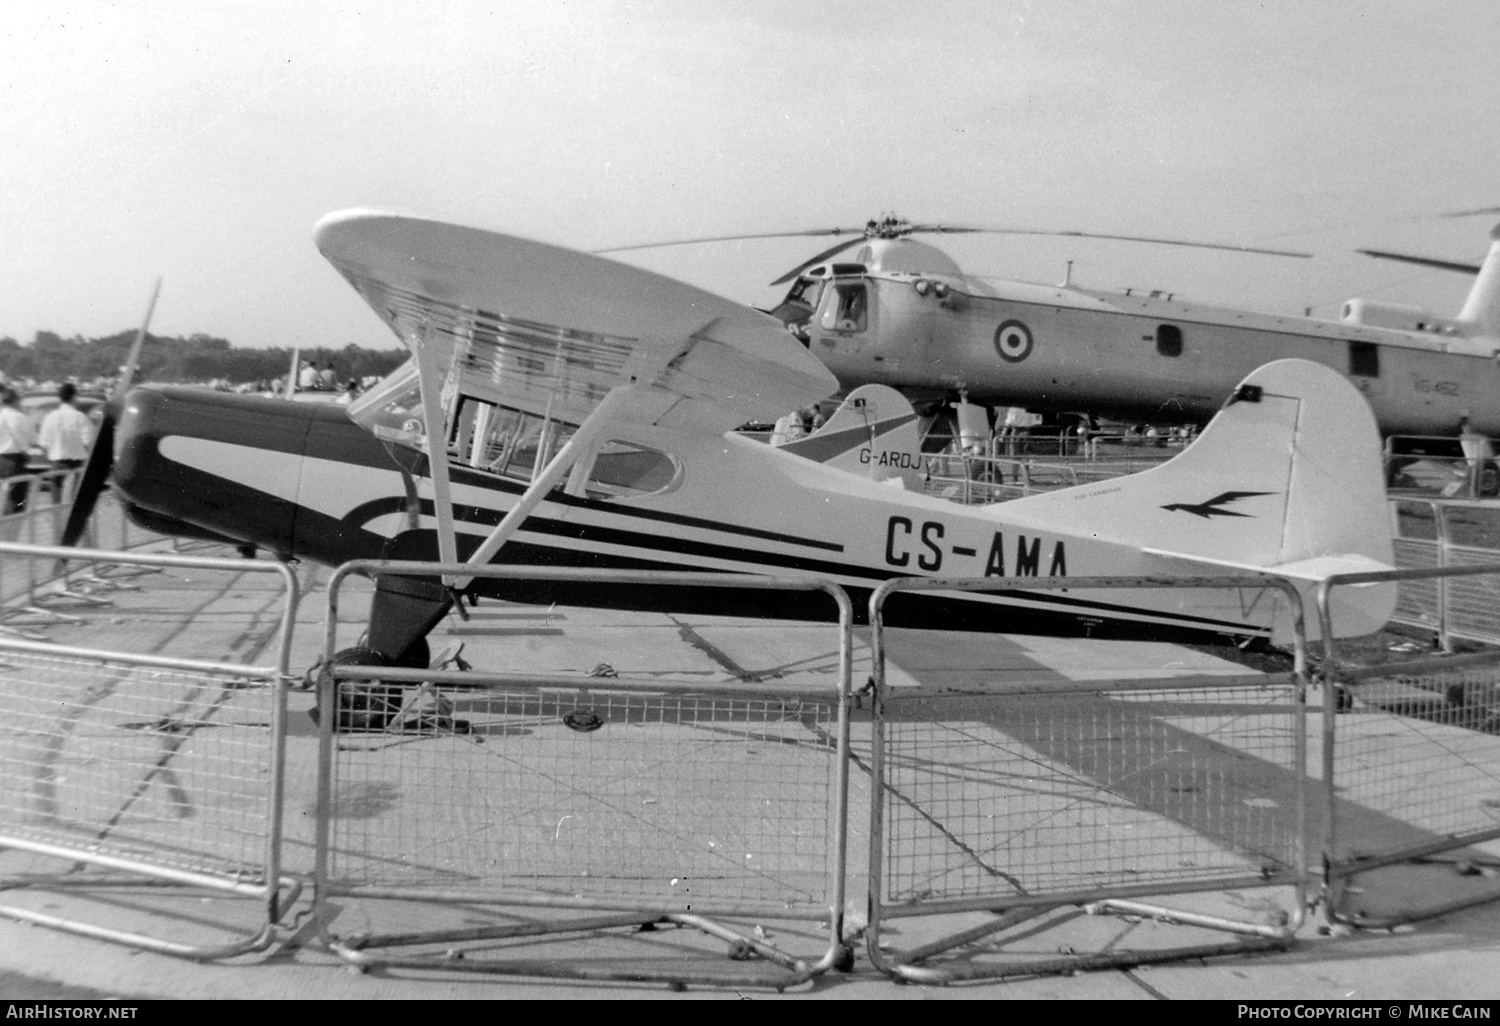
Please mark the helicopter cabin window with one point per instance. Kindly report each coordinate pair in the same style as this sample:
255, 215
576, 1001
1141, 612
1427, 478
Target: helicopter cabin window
500, 440
1364, 360
624, 470
847, 311
1169, 340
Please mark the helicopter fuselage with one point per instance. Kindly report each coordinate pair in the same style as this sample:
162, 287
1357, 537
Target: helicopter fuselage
1146, 357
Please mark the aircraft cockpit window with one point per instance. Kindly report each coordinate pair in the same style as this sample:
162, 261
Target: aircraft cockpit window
847, 311
500, 440
1169, 340
392, 410
624, 470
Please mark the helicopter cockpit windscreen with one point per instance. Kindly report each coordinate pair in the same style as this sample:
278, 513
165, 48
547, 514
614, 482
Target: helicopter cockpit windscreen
801, 300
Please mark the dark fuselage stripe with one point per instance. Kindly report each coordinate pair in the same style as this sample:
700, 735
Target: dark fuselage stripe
757, 560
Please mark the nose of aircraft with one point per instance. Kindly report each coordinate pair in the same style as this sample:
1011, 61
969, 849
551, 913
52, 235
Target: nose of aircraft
174, 454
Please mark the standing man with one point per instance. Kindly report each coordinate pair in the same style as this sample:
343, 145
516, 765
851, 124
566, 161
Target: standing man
17, 436
65, 436
1478, 453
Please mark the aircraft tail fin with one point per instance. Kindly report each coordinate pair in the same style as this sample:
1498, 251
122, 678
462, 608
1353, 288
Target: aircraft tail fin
873, 433
1286, 479
1481, 311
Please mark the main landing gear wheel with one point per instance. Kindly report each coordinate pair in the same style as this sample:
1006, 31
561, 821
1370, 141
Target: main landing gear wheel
364, 706
372, 706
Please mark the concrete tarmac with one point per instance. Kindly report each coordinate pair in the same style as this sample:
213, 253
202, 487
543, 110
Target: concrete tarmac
222, 615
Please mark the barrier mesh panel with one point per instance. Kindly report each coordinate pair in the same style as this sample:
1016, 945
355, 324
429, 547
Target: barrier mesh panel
1473, 603
152, 764
665, 799
1417, 601
1035, 793
1417, 759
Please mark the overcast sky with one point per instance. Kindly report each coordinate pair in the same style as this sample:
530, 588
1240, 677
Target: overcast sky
201, 141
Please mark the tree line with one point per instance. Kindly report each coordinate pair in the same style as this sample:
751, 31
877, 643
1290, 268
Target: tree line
196, 358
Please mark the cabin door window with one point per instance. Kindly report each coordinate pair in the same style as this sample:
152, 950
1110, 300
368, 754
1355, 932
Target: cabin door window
1364, 360
1169, 340
847, 307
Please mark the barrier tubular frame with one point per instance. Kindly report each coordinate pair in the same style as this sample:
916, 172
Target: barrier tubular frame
1015, 909
270, 890
38, 516
357, 949
1336, 871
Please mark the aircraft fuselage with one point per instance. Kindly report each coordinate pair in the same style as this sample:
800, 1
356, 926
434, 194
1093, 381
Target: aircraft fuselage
303, 480
1140, 357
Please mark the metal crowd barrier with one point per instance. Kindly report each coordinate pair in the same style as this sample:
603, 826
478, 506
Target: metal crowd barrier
32, 594
1021, 799
121, 769
1438, 534
1411, 766
34, 508
983, 479
614, 802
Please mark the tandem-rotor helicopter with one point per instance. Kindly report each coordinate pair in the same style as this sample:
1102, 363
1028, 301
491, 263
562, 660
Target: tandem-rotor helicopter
901, 312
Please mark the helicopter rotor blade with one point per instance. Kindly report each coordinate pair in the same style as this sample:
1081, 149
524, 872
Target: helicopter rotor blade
891, 227
1476, 212
1146, 239
1407, 258
816, 258
732, 238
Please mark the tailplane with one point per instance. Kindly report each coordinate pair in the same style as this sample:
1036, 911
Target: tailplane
873, 433
1285, 480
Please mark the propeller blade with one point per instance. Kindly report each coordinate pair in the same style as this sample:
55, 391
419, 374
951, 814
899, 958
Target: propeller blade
95, 475
102, 453
127, 374
816, 258
1407, 258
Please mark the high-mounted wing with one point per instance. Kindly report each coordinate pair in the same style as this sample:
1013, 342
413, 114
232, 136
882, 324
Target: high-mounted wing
524, 320
577, 338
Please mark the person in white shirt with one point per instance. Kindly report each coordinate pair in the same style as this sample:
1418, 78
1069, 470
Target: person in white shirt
66, 431
17, 436
65, 435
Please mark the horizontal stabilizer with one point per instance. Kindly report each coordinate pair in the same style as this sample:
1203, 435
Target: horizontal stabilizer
1285, 480
1317, 569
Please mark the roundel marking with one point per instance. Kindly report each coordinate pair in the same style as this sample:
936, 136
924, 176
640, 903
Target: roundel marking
1013, 341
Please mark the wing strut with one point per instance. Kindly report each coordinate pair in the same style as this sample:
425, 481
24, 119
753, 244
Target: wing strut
428, 374
555, 470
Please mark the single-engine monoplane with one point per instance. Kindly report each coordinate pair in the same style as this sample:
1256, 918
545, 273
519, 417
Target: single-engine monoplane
563, 409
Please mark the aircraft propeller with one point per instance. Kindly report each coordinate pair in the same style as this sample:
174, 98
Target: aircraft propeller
891, 227
102, 453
